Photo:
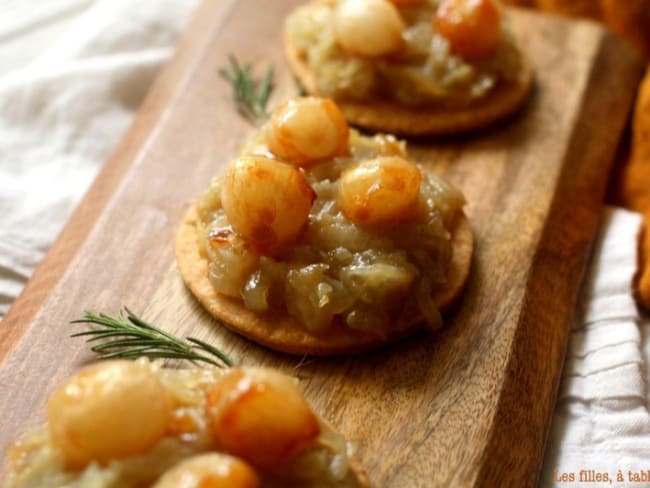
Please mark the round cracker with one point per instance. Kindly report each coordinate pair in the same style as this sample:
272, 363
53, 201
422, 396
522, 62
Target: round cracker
278, 330
391, 117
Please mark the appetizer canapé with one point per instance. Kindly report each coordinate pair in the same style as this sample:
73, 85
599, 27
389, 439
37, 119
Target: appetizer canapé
410, 67
135, 424
319, 240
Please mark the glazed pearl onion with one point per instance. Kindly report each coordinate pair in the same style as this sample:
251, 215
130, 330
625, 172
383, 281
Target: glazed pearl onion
110, 410
267, 202
379, 191
260, 416
472, 27
369, 28
307, 130
209, 471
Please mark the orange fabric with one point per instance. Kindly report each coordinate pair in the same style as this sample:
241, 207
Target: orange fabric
634, 187
643, 284
629, 18
631, 183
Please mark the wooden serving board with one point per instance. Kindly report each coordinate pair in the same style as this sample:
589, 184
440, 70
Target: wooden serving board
468, 406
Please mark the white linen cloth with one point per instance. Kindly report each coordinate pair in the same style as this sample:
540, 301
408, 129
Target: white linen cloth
601, 422
64, 108
72, 75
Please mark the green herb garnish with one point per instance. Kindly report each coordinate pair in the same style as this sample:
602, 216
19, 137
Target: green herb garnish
130, 337
251, 95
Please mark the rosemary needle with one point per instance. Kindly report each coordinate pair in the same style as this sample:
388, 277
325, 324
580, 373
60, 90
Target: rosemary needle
251, 95
130, 337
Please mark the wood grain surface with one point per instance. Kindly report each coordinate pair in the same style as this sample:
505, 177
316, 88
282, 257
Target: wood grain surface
469, 406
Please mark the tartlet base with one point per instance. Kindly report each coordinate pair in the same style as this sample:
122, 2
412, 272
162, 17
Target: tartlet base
283, 333
391, 117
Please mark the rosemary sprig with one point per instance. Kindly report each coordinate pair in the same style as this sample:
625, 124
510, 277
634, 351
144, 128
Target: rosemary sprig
251, 95
130, 337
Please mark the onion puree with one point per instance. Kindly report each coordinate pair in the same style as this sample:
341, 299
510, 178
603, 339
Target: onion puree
368, 278
425, 72
36, 463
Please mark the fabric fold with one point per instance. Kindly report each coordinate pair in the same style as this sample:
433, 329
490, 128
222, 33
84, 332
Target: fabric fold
62, 113
601, 422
